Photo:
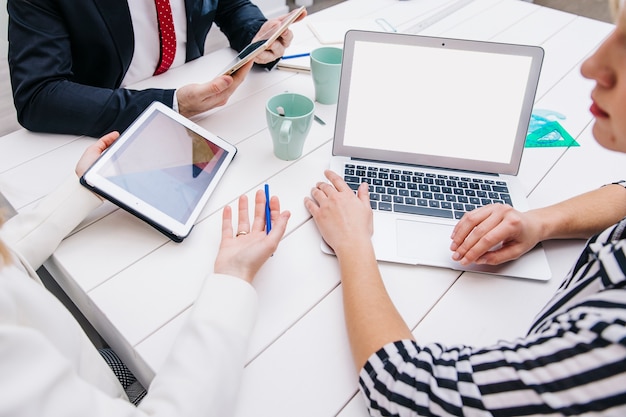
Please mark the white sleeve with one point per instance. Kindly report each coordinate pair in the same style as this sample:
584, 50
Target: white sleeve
201, 376
36, 232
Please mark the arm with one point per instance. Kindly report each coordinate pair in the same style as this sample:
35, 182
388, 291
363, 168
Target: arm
36, 233
577, 217
205, 366
568, 370
371, 318
200, 376
66, 66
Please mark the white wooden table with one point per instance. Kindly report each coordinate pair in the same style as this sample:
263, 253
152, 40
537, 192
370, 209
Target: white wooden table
136, 286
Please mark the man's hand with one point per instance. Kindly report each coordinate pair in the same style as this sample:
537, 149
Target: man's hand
277, 48
197, 98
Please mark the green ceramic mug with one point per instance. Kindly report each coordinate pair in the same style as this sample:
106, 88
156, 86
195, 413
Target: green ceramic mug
326, 71
289, 118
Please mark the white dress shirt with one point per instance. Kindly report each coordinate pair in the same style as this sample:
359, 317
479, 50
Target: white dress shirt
146, 31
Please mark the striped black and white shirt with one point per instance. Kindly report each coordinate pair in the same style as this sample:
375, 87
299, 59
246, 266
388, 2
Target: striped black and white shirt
572, 361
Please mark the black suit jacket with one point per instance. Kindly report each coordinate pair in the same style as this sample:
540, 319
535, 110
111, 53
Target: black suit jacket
67, 59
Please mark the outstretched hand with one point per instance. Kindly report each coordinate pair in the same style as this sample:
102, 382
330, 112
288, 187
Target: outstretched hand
242, 253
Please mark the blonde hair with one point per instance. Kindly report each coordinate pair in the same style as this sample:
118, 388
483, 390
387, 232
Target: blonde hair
5, 256
615, 6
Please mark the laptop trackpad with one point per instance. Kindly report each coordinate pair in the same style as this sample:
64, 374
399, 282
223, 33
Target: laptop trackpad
428, 244
425, 243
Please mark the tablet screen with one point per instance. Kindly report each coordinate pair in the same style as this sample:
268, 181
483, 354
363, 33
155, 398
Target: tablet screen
162, 165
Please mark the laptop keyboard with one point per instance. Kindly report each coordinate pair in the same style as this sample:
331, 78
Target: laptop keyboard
425, 193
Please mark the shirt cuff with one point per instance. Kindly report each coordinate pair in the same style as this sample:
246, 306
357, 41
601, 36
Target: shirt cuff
175, 101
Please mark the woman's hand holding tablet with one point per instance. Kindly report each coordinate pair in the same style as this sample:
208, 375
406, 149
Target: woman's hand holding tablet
162, 169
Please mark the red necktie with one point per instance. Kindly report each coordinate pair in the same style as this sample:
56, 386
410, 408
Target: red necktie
166, 34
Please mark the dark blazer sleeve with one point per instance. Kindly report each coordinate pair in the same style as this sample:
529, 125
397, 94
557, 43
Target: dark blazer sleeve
67, 59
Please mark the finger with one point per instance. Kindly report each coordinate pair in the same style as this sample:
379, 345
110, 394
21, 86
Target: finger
468, 222
480, 246
302, 16
285, 39
337, 181
239, 75
243, 221
504, 254
215, 86
271, 54
106, 140
258, 224
363, 193
326, 188
311, 206
279, 220
227, 223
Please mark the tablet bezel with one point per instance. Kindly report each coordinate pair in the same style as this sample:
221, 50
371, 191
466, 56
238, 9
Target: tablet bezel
175, 229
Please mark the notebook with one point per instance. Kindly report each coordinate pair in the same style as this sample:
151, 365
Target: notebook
437, 127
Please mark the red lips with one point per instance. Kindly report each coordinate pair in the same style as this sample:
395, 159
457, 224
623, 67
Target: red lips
597, 111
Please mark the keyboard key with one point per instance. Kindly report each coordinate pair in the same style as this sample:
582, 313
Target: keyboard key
500, 189
426, 211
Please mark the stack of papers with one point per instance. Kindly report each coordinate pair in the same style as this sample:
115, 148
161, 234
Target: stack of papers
333, 31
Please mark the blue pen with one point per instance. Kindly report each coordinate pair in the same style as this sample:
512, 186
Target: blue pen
268, 217
295, 56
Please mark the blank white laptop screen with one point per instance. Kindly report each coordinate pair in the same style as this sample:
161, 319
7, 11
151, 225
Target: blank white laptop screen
427, 114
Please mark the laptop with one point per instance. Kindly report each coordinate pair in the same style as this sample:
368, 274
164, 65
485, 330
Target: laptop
437, 127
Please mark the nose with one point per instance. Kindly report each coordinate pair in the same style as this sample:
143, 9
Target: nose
598, 66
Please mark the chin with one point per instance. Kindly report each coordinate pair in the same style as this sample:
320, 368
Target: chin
605, 137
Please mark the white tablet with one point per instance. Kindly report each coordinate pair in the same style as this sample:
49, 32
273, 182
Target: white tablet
162, 169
